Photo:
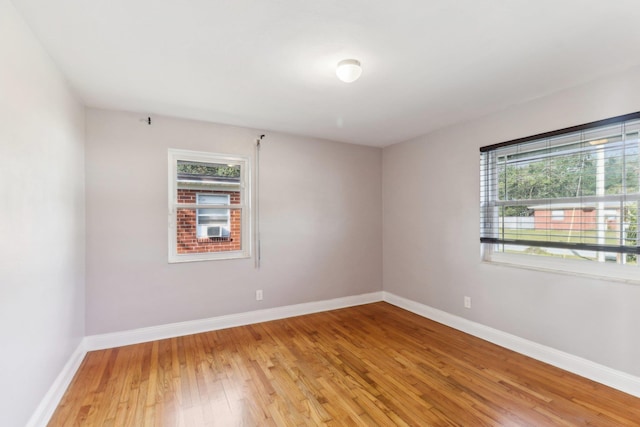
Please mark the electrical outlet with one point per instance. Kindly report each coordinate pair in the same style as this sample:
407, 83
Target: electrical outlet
467, 302
259, 295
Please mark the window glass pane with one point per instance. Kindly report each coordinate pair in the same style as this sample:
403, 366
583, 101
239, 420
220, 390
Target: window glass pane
629, 228
200, 228
213, 234
562, 253
207, 183
632, 165
547, 173
201, 171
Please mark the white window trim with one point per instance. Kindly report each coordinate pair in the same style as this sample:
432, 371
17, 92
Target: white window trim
245, 204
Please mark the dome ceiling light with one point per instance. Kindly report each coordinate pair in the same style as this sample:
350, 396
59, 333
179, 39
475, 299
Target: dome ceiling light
349, 70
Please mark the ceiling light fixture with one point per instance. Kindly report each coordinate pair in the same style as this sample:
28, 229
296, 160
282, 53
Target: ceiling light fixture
349, 70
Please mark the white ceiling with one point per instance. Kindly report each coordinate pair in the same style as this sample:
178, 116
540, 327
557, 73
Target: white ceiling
270, 64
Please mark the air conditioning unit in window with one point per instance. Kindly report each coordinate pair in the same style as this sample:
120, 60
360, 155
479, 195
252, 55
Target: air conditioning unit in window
214, 231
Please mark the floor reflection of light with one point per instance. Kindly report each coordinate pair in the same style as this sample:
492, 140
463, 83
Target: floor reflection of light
229, 409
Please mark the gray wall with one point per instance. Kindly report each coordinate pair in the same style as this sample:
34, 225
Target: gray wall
41, 220
321, 222
431, 245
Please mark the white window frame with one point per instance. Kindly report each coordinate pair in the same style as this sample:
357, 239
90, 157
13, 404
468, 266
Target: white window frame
174, 155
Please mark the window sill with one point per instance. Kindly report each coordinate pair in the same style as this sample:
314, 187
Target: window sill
593, 270
208, 256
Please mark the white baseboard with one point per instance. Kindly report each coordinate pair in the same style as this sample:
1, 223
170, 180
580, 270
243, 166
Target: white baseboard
50, 401
610, 377
136, 336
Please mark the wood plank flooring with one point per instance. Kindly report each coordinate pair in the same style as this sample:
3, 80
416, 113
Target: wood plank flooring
372, 365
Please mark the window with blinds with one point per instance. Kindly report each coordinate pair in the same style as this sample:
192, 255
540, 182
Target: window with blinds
570, 194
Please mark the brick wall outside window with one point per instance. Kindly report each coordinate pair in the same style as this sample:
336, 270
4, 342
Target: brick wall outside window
573, 219
187, 240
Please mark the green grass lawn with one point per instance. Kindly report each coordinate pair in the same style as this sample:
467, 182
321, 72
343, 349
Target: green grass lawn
575, 236
584, 236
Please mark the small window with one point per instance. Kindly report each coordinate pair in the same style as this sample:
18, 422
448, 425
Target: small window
209, 206
557, 215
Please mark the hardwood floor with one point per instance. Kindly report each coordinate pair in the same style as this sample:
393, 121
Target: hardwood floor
370, 365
